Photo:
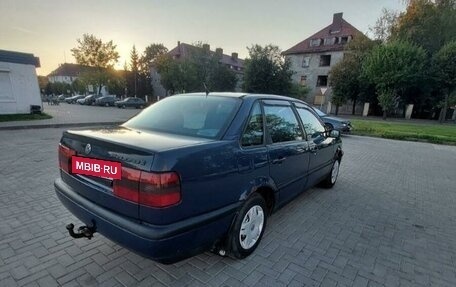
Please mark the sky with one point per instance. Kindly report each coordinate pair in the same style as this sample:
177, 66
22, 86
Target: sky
49, 28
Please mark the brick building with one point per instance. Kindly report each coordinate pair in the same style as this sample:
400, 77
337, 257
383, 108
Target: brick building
184, 51
313, 58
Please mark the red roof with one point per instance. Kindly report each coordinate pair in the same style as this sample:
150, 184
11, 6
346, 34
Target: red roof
339, 28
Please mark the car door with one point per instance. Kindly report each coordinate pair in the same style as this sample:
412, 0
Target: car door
288, 152
322, 146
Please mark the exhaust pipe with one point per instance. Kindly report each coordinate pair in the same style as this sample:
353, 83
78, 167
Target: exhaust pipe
83, 231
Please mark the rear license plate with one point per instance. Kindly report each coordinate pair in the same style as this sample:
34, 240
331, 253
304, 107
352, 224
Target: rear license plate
96, 167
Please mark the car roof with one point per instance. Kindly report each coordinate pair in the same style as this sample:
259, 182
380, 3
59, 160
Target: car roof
244, 96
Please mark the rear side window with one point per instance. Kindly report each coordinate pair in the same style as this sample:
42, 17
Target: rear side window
197, 116
312, 125
253, 134
282, 124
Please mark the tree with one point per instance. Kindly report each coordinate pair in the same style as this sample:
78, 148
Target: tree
116, 83
202, 68
151, 53
92, 52
445, 72
344, 80
384, 25
134, 64
42, 82
79, 87
299, 91
221, 79
266, 71
178, 76
393, 69
429, 24
346, 76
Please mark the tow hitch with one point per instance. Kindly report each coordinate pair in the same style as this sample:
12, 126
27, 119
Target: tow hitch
83, 231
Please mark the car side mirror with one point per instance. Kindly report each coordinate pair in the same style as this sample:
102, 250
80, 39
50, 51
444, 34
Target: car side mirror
334, 133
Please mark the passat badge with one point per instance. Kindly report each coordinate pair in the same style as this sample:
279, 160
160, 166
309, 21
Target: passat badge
88, 148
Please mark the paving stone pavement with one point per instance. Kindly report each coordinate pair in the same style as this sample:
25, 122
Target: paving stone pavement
389, 221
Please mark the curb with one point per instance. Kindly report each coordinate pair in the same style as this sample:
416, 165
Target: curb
68, 125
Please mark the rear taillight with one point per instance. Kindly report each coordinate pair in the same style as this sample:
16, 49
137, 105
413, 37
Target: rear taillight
148, 189
127, 187
65, 154
159, 189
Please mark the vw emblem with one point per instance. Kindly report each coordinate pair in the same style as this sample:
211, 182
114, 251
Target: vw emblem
88, 148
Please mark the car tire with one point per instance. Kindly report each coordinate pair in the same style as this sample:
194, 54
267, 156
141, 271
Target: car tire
124, 106
331, 179
330, 126
248, 227
107, 104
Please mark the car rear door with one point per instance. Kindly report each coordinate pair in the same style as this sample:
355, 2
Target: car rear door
321, 146
288, 152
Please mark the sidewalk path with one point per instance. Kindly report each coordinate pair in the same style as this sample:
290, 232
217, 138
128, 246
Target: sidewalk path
73, 115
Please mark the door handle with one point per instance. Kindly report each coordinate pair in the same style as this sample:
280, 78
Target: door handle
278, 160
314, 149
301, 149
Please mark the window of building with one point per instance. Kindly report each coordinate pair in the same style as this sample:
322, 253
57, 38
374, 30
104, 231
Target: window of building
282, 124
6, 91
315, 42
329, 41
344, 40
305, 61
253, 134
322, 81
303, 80
325, 60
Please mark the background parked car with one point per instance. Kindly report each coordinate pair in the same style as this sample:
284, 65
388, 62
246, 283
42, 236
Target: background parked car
131, 103
89, 100
106, 101
73, 99
336, 123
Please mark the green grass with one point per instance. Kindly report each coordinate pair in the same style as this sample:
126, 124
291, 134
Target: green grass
433, 133
24, 117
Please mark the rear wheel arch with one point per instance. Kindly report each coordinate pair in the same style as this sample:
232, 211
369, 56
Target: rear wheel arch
264, 186
268, 195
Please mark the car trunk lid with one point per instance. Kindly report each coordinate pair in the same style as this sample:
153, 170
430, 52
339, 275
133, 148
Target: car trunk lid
134, 150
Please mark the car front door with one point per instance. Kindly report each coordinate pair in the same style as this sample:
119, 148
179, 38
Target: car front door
288, 152
321, 146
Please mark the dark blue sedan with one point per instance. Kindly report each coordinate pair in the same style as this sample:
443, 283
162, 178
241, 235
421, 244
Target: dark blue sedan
195, 172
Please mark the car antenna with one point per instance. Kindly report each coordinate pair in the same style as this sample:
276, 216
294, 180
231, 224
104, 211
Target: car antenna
206, 89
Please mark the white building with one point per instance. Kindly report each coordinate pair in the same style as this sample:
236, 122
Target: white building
67, 73
19, 90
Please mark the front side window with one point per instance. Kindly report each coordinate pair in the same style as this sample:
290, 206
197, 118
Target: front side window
253, 134
282, 124
312, 125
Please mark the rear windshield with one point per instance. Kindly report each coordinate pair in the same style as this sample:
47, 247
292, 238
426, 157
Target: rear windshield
197, 116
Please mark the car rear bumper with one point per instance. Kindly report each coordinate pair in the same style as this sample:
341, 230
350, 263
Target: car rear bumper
162, 243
